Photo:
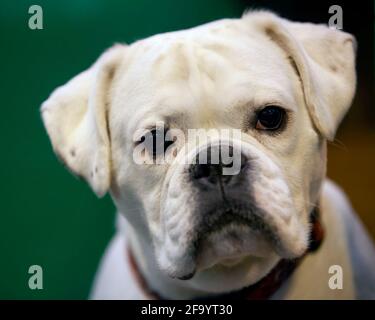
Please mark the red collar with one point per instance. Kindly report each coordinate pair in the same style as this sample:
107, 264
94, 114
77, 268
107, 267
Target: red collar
261, 290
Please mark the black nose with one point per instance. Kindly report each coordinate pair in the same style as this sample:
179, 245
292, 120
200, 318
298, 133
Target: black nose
210, 172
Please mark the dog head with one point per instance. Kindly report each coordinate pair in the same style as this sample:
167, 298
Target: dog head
283, 86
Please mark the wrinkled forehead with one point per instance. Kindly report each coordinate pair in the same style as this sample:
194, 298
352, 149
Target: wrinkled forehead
201, 72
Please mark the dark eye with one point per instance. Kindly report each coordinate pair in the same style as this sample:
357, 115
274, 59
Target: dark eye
270, 118
156, 142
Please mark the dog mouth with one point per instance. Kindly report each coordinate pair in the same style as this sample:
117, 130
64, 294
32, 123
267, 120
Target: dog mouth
229, 236
236, 215
239, 234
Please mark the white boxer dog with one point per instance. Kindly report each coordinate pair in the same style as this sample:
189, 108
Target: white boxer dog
186, 229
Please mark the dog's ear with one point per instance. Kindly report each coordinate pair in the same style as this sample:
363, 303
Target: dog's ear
75, 116
324, 59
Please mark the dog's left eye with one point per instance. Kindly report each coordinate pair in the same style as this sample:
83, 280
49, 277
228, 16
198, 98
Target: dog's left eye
270, 118
159, 143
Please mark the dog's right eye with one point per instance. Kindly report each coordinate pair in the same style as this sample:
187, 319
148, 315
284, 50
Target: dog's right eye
155, 141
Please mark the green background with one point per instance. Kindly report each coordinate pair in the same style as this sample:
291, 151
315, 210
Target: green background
48, 217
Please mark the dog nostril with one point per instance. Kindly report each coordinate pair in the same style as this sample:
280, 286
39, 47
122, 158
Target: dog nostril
200, 171
213, 173
208, 172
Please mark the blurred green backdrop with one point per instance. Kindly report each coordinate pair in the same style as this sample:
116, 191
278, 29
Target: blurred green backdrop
49, 218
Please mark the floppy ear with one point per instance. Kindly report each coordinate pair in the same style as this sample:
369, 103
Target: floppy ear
75, 116
324, 59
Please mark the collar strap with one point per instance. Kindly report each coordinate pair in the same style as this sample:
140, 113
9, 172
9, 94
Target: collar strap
261, 290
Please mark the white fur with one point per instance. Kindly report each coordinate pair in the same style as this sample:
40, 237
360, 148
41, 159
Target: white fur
309, 281
215, 76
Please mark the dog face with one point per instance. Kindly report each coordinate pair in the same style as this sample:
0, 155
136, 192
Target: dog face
283, 86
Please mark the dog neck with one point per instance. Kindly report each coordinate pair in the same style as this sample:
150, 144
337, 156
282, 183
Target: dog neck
263, 289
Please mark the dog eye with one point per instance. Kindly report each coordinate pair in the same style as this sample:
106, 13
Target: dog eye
270, 118
159, 143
